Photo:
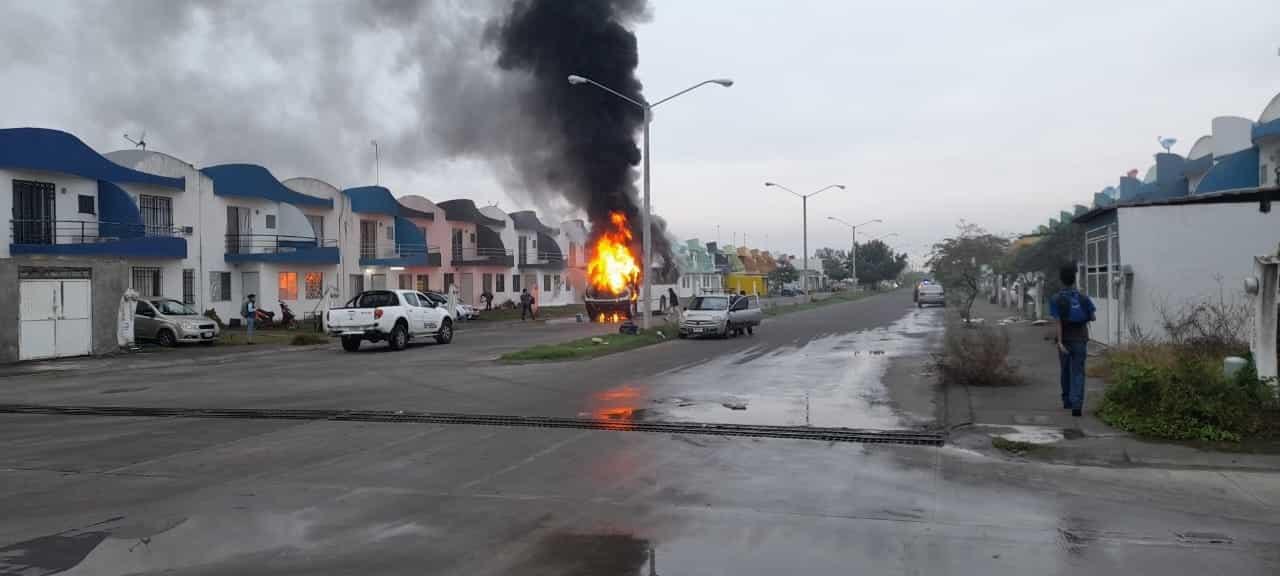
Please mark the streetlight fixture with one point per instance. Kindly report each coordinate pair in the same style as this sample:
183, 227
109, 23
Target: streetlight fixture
804, 219
647, 107
853, 240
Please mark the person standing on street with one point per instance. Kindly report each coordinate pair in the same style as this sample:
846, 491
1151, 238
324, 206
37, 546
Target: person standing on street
249, 311
526, 304
1073, 311
673, 301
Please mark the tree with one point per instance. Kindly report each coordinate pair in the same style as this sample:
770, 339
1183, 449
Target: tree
835, 263
784, 273
1044, 257
959, 262
877, 262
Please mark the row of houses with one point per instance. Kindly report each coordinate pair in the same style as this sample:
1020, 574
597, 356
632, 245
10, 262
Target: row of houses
86, 226
1188, 232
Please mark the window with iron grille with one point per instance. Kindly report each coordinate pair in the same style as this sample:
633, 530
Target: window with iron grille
357, 284
271, 221
157, 214
486, 283
220, 286
556, 281
424, 283
188, 286
546, 282
288, 285
146, 281
368, 239
33, 212
448, 281
515, 283
87, 204
501, 280
315, 285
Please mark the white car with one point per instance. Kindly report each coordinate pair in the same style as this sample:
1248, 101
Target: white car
464, 311
396, 316
720, 315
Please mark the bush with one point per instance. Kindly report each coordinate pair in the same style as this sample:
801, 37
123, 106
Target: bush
1180, 393
976, 356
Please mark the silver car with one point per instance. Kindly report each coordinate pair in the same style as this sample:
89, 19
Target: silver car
170, 322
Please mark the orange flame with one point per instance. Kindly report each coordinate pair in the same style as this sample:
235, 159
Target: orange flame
612, 267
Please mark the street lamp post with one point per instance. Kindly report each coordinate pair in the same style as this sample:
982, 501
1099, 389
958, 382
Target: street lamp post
647, 107
804, 219
853, 252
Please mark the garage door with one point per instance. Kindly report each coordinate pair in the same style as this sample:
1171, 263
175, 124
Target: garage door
53, 319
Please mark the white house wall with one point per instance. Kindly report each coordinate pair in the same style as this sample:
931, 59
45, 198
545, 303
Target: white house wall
1185, 254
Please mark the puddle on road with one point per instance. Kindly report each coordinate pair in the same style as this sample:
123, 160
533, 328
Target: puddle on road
831, 381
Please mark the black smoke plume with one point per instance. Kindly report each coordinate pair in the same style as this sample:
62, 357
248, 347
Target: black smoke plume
590, 151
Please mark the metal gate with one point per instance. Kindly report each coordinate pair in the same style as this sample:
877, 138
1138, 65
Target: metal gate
53, 319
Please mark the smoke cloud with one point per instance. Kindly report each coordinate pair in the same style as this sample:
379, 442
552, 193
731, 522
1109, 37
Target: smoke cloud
302, 87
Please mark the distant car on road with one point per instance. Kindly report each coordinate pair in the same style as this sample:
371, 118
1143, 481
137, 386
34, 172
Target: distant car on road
396, 316
464, 311
931, 293
170, 322
720, 315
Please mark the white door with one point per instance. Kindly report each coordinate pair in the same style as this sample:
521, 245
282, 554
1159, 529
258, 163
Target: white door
53, 319
250, 284
71, 335
37, 319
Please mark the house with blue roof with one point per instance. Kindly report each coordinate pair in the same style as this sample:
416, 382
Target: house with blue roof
387, 242
82, 228
1187, 233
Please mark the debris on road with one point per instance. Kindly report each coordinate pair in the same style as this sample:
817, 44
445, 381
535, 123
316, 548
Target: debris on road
735, 405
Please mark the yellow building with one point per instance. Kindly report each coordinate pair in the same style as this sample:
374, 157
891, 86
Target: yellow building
739, 282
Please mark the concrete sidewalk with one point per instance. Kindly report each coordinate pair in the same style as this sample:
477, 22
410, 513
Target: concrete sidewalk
1033, 413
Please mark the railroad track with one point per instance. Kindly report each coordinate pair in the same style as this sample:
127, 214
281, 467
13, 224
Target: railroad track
866, 436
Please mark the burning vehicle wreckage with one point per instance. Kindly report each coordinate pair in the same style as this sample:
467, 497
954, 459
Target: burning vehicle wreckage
613, 273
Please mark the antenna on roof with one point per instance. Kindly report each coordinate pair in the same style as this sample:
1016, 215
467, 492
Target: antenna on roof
1166, 143
140, 142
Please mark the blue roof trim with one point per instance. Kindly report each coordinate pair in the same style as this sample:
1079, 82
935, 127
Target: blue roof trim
57, 151
119, 216
407, 233
317, 255
379, 200
148, 247
1198, 166
253, 181
1232, 172
1266, 130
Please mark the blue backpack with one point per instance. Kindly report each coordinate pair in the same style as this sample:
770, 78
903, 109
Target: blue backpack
1071, 307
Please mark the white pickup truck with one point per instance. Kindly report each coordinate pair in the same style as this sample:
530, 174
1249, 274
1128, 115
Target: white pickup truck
722, 315
396, 316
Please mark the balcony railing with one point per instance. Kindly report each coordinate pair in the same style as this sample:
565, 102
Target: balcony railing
477, 255
274, 243
402, 254
48, 232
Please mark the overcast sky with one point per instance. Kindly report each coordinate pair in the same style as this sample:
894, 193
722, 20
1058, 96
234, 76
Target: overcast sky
997, 112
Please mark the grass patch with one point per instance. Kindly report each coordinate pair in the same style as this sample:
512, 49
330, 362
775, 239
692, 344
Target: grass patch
236, 337
508, 314
1015, 447
584, 348
1178, 392
836, 298
308, 339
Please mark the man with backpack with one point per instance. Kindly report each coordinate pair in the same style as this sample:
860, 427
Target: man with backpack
1073, 311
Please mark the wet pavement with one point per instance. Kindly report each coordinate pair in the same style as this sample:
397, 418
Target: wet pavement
124, 495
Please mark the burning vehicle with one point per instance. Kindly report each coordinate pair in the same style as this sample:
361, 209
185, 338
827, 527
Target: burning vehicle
613, 272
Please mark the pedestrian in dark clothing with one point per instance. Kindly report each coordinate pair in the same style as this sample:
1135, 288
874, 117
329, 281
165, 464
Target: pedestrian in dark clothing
488, 300
672, 299
1074, 311
526, 304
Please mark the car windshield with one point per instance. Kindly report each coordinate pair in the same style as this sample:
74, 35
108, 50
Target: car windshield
173, 308
709, 303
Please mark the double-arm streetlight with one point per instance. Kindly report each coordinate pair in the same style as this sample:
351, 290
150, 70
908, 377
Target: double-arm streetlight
853, 240
804, 219
647, 107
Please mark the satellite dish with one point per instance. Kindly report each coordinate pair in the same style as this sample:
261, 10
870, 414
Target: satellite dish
140, 142
1166, 143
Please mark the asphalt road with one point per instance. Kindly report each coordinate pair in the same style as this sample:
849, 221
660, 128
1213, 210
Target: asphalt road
117, 495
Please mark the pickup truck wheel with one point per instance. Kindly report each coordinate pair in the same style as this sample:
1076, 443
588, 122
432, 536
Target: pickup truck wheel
350, 343
399, 337
445, 335
166, 338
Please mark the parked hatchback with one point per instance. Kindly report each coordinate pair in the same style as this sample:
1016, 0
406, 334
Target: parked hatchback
930, 294
169, 322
